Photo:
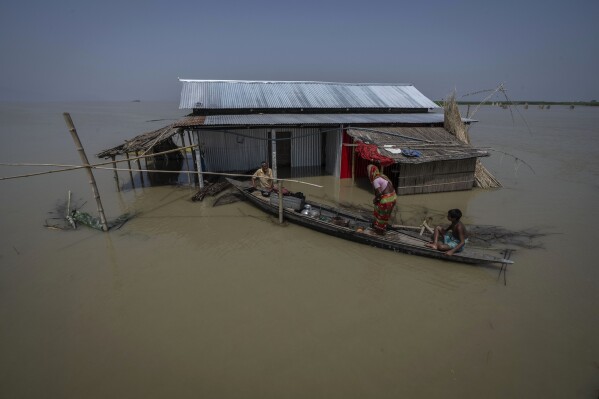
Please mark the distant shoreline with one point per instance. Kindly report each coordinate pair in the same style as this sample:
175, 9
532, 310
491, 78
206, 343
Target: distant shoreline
575, 103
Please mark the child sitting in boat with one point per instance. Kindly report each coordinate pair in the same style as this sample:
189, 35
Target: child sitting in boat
453, 238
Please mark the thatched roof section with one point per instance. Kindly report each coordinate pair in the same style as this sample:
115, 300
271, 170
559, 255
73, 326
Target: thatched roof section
146, 141
142, 142
434, 143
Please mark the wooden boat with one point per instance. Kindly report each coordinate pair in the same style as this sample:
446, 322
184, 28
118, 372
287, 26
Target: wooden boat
355, 227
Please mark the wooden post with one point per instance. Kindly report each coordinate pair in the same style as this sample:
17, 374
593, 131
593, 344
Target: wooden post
146, 162
353, 165
141, 173
116, 175
199, 161
273, 137
92, 180
193, 155
69, 205
186, 160
130, 170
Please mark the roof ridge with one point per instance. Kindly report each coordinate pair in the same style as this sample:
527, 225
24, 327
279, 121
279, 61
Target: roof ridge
290, 82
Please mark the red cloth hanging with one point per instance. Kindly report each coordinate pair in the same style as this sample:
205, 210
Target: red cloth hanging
371, 153
345, 171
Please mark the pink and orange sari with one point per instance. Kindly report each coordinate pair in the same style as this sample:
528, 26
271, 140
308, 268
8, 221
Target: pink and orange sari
384, 206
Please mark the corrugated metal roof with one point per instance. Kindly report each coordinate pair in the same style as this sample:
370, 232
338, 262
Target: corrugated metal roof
321, 119
222, 94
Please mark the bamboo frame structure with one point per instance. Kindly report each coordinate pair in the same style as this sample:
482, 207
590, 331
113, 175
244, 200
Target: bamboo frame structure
116, 175
453, 124
130, 170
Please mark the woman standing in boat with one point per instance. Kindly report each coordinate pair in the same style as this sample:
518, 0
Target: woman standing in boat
384, 198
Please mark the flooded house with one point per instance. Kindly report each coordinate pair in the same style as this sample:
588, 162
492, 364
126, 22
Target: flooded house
317, 128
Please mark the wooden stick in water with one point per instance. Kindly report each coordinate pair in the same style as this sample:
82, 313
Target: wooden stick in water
83, 156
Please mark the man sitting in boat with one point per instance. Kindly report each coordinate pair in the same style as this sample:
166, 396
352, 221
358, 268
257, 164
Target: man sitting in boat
453, 238
263, 178
384, 198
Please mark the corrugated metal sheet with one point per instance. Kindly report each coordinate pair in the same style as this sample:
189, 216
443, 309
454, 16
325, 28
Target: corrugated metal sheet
229, 152
306, 148
321, 119
211, 94
240, 150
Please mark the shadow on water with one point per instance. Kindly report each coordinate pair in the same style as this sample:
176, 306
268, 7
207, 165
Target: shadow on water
172, 162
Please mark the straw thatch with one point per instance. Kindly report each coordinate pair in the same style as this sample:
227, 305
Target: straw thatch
434, 143
143, 142
453, 124
146, 141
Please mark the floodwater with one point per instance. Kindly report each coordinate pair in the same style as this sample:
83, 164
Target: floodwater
193, 301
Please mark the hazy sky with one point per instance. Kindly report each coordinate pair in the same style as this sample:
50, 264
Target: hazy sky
74, 50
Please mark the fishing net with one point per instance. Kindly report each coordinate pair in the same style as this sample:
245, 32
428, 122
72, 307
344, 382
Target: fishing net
454, 125
484, 236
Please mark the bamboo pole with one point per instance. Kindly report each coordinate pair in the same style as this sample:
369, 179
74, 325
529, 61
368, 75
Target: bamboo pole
452, 122
68, 205
85, 161
199, 161
95, 164
274, 168
423, 226
116, 174
141, 173
130, 171
186, 160
141, 170
193, 155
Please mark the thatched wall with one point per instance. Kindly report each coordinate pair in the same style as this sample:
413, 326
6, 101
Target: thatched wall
433, 177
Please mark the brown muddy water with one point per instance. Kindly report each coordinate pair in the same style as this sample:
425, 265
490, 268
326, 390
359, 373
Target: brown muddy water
190, 300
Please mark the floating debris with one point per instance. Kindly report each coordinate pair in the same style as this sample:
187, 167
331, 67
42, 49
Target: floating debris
73, 218
210, 189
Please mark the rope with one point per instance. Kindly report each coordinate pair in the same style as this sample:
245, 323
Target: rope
207, 173
73, 167
263, 139
97, 166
